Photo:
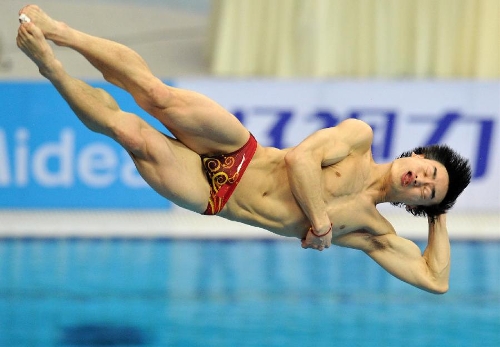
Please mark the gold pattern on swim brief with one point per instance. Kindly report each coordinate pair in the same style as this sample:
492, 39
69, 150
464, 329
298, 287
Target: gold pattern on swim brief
218, 171
223, 173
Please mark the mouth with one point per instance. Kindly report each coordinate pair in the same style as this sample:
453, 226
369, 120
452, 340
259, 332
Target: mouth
406, 179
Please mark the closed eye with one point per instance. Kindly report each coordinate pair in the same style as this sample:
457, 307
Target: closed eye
433, 193
426, 194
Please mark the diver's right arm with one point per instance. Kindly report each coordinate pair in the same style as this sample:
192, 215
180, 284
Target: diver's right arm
304, 165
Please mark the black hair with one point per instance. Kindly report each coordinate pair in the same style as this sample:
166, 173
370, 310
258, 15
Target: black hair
459, 173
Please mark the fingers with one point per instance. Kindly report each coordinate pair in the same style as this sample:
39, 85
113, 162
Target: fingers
306, 245
317, 243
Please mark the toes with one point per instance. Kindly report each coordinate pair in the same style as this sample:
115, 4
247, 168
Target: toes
28, 11
26, 28
22, 31
32, 29
22, 10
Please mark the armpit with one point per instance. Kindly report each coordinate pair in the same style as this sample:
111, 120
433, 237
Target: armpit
377, 243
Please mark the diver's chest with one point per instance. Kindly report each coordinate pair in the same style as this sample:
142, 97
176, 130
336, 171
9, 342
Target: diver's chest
344, 180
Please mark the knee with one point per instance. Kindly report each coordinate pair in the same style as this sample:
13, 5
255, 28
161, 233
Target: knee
128, 131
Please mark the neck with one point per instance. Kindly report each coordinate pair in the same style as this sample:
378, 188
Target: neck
379, 183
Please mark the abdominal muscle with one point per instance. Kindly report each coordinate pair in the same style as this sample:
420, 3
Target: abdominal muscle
263, 197
280, 216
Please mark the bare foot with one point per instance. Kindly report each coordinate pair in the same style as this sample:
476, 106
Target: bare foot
52, 30
31, 41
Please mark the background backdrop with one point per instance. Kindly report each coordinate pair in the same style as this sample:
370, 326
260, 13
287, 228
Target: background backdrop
419, 72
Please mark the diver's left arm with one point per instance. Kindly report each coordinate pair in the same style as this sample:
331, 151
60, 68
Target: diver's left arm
402, 258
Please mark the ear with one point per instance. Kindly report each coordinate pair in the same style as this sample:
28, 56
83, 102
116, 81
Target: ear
413, 154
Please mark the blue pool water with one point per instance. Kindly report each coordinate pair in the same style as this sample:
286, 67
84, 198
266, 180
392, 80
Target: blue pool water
160, 292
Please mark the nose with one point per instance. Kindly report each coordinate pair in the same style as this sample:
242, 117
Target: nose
420, 181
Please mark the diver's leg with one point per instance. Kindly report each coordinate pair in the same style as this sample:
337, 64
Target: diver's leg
167, 165
197, 121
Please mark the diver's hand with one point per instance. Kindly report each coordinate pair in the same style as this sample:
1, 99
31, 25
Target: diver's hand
318, 240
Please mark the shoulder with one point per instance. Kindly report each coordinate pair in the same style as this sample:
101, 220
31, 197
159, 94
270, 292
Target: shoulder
353, 134
349, 130
356, 129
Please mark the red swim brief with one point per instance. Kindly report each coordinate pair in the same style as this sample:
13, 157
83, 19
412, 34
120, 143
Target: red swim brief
224, 172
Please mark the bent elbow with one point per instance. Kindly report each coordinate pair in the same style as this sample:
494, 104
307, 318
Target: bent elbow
442, 289
438, 289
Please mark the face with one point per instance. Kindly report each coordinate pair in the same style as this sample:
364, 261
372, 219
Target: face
420, 181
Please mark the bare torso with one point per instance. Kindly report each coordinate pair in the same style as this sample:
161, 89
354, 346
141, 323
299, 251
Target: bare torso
264, 198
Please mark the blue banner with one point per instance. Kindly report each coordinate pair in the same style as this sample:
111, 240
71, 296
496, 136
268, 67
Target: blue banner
49, 159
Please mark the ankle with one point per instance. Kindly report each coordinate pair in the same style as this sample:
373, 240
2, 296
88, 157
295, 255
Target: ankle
51, 70
61, 35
